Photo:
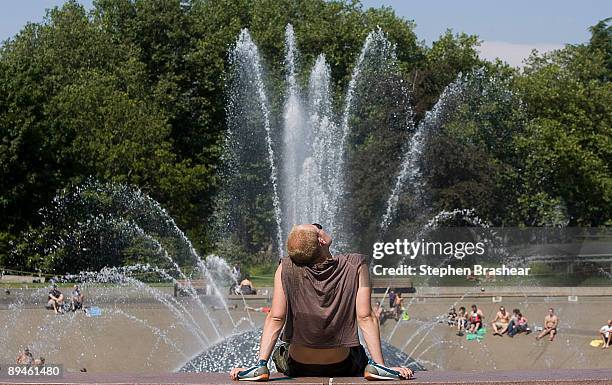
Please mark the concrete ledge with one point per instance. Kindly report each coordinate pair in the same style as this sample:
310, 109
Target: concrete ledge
544, 377
107, 295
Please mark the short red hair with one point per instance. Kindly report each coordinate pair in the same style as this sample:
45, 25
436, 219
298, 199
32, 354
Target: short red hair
303, 244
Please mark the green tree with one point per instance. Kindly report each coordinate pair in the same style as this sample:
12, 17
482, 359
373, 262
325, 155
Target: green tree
567, 146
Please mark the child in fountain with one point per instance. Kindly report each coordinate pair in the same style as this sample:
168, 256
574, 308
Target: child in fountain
378, 310
320, 300
398, 307
451, 318
461, 321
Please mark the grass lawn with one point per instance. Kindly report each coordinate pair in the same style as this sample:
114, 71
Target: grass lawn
17, 285
264, 280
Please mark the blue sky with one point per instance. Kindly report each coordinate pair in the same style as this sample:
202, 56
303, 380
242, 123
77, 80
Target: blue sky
509, 29
16, 13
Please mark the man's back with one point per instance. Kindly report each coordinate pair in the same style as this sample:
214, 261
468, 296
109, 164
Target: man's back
321, 302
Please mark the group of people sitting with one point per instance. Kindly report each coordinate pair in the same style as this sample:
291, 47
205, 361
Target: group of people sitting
464, 321
57, 303
512, 325
503, 323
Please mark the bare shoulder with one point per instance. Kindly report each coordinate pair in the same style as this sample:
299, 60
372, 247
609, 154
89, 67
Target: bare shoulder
278, 275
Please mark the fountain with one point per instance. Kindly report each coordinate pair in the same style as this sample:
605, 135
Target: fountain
290, 162
303, 173
311, 142
310, 187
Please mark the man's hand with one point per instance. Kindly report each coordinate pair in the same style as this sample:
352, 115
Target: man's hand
234, 373
404, 372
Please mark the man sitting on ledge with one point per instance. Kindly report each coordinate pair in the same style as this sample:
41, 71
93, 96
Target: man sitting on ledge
320, 300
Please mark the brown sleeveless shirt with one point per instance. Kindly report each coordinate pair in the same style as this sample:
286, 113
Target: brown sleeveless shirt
321, 298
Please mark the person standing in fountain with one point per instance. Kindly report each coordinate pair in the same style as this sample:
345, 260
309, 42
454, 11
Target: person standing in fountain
320, 300
392, 299
399, 306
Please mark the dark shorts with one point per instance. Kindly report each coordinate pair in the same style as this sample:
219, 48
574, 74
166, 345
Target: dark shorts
353, 366
247, 290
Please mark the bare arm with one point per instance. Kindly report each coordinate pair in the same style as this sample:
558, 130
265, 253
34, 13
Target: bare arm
366, 318
275, 320
497, 318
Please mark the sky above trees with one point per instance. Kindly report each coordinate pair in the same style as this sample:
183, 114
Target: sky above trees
509, 30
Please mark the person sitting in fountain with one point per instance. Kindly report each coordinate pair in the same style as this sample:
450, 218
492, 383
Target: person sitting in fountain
451, 318
475, 319
55, 300
77, 299
551, 322
606, 334
522, 325
25, 358
461, 321
320, 300
246, 286
500, 322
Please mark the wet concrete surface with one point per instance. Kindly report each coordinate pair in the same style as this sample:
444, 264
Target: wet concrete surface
152, 338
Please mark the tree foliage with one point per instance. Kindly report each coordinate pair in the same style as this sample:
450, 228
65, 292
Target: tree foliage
134, 92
